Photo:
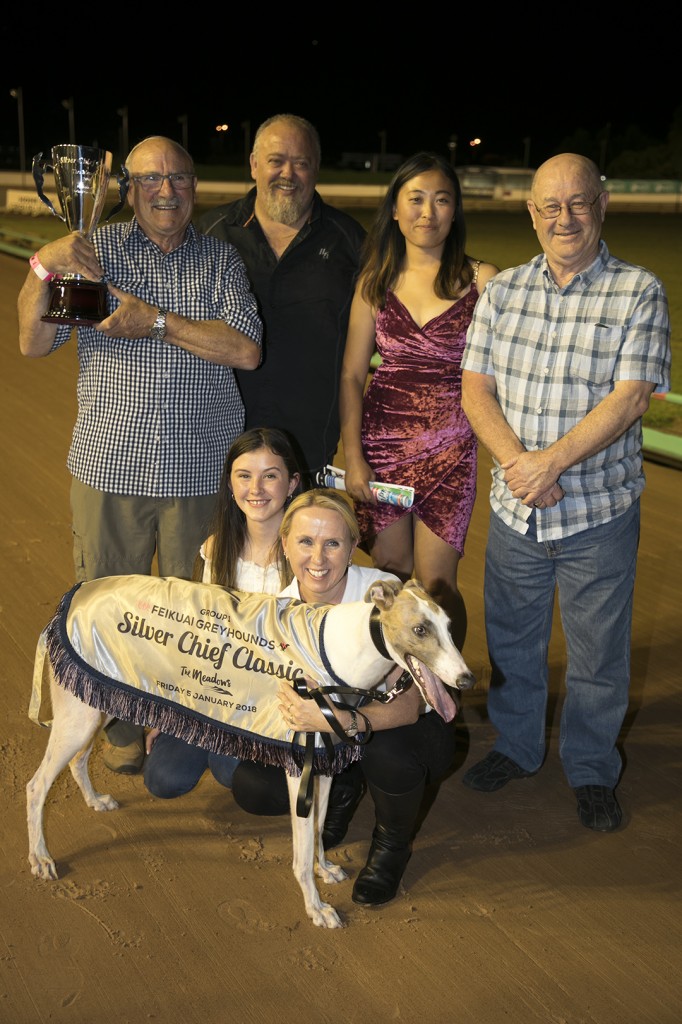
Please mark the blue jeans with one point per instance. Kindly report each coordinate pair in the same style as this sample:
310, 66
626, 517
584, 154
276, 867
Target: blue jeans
174, 767
594, 573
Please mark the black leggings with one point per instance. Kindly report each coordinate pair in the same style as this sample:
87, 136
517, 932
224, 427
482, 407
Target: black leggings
394, 760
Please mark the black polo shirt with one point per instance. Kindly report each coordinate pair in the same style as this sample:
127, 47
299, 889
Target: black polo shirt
304, 300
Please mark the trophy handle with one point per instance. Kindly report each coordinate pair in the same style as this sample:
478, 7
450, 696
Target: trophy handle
123, 182
39, 166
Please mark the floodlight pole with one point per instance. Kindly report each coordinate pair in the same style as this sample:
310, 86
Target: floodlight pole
123, 114
246, 128
68, 105
526, 151
382, 151
183, 120
18, 95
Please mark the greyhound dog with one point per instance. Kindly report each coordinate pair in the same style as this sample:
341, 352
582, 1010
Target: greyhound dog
362, 640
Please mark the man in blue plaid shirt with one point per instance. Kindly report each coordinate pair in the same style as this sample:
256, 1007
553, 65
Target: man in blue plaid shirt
562, 356
158, 403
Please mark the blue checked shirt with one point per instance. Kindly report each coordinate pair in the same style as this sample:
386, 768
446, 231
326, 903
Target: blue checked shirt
555, 354
154, 419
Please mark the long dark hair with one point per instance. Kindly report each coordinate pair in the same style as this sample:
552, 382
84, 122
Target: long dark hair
228, 526
384, 249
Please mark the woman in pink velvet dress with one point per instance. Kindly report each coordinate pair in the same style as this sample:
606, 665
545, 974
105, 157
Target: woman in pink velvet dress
413, 304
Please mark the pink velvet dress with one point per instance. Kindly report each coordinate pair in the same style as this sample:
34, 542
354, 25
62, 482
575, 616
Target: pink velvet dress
413, 429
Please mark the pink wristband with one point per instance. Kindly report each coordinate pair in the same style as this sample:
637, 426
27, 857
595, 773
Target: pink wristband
39, 269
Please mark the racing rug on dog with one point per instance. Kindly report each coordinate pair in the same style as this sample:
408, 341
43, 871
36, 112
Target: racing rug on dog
196, 660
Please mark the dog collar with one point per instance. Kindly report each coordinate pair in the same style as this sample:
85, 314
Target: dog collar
376, 631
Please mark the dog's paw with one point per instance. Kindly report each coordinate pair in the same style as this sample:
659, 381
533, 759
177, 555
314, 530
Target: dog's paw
330, 872
43, 867
102, 802
324, 916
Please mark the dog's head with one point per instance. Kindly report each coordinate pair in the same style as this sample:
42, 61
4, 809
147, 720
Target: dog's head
417, 635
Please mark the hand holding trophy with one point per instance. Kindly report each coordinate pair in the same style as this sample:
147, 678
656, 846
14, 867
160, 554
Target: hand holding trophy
82, 178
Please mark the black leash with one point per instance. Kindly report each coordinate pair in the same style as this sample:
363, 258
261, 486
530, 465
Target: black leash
305, 793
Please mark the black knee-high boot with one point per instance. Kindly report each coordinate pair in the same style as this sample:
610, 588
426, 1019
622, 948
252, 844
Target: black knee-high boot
396, 818
347, 790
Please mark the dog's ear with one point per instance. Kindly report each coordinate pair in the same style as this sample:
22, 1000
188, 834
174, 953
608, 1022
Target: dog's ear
383, 593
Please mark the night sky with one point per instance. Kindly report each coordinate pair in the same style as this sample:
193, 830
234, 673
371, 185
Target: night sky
415, 95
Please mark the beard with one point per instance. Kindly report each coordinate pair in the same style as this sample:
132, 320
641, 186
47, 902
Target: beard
284, 208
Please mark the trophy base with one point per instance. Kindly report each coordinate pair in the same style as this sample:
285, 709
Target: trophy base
74, 300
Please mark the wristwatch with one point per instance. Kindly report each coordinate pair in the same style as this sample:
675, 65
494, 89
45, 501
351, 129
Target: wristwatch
352, 729
158, 331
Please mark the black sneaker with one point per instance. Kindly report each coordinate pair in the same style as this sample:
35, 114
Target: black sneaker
494, 772
598, 808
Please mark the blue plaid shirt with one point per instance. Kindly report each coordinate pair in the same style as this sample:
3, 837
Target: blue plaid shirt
154, 419
555, 354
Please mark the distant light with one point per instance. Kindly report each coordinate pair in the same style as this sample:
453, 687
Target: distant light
475, 142
222, 127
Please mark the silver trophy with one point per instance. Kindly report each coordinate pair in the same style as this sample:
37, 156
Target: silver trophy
81, 176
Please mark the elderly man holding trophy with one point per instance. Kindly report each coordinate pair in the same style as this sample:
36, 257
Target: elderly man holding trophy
163, 315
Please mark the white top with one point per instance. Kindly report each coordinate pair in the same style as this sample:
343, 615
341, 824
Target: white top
358, 581
257, 579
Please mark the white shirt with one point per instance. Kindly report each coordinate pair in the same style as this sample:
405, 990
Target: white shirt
358, 580
257, 579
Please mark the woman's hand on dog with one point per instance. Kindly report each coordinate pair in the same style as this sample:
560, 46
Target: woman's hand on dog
303, 715
299, 713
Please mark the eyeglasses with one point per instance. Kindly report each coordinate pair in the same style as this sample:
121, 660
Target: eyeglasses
578, 208
150, 182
